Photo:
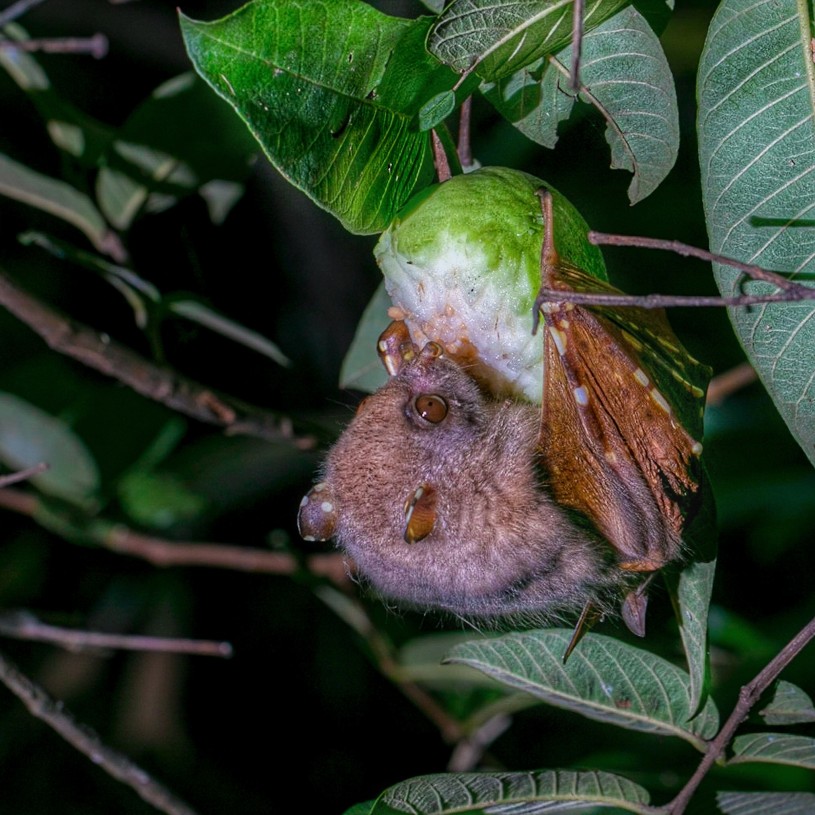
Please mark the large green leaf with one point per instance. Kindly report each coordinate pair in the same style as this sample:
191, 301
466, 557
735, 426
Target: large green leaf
603, 679
528, 793
756, 88
774, 748
332, 90
628, 80
497, 37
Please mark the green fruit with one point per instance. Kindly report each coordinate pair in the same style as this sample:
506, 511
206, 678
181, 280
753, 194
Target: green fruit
462, 264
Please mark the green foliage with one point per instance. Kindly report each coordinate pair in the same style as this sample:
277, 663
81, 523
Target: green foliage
604, 679
329, 76
624, 66
484, 792
341, 98
756, 87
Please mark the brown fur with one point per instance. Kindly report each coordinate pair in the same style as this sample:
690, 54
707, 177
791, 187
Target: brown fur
500, 547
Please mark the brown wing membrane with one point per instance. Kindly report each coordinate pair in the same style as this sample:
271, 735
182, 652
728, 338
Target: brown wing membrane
612, 437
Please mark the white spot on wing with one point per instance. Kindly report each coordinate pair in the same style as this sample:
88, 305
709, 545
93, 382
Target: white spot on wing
642, 377
660, 400
559, 338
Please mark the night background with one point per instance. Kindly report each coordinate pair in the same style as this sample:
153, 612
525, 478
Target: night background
304, 714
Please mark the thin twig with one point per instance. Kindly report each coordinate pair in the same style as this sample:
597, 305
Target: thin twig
23, 625
117, 765
164, 553
16, 10
748, 696
96, 46
100, 352
22, 475
728, 382
686, 250
650, 301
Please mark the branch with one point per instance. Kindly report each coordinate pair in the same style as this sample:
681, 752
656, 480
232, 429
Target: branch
725, 384
23, 625
164, 553
799, 291
748, 696
16, 10
96, 46
117, 765
22, 475
103, 354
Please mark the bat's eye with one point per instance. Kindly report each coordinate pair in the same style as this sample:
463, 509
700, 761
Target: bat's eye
431, 408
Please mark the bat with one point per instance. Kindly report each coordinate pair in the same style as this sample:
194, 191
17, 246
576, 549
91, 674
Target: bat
500, 511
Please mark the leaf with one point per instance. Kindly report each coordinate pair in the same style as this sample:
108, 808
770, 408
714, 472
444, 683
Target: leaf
159, 500
790, 705
756, 88
774, 748
603, 679
436, 110
29, 436
332, 90
521, 793
60, 199
691, 589
360, 809
498, 38
362, 368
203, 315
149, 165
628, 80
761, 803
69, 128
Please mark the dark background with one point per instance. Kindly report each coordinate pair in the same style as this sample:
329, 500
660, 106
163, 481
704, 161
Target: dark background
300, 718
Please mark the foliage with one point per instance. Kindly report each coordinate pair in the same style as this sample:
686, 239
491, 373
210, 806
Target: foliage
165, 234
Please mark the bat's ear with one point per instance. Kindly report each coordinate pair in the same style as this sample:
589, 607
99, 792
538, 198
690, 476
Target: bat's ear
317, 518
395, 347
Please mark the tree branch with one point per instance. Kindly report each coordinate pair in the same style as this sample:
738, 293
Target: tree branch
100, 352
23, 625
748, 696
96, 46
165, 553
796, 290
117, 765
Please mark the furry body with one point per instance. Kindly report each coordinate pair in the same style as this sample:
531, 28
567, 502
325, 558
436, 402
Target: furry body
499, 546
